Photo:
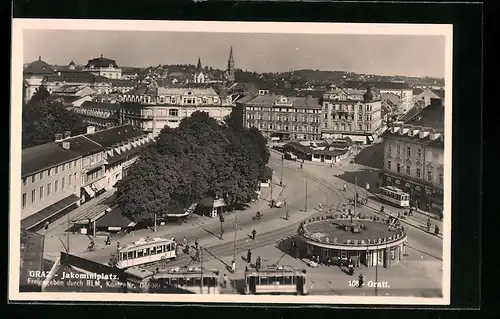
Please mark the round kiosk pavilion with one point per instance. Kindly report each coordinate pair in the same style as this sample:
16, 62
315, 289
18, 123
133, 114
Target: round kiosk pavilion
368, 241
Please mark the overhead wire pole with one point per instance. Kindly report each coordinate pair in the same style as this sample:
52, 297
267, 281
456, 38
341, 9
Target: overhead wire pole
305, 204
234, 244
67, 237
355, 196
282, 165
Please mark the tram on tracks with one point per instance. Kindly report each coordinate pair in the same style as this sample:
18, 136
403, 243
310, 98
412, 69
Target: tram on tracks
276, 280
193, 279
146, 251
394, 196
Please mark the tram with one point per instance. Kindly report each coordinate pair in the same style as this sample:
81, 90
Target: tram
276, 280
395, 196
193, 279
146, 251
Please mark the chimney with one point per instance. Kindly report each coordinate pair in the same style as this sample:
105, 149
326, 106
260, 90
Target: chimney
58, 137
67, 134
90, 129
66, 145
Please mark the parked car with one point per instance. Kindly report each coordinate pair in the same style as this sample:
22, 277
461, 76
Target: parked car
290, 156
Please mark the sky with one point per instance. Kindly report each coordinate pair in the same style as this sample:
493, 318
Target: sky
409, 55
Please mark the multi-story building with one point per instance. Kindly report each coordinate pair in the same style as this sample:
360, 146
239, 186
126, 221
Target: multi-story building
351, 113
33, 75
153, 108
414, 158
50, 186
72, 95
290, 118
104, 67
401, 89
58, 176
101, 115
423, 97
121, 86
98, 83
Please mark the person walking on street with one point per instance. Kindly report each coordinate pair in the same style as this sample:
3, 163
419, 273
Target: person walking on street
185, 241
196, 243
287, 214
399, 214
47, 225
258, 263
429, 225
344, 187
233, 266
382, 208
436, 230
249, 256
410, 212
254, 232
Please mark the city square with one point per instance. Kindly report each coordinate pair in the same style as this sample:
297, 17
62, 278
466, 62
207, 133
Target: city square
231, 176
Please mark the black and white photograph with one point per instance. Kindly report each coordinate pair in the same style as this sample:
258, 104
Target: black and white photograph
243, 162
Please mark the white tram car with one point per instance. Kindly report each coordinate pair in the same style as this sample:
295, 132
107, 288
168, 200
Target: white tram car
145, 251
194, 279
276, 280
395, 196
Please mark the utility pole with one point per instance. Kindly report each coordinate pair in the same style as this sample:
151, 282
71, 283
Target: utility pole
221, 219
376, 274
67, 237
282, 165
94, 224
156, 227
201, 266
305, 205
355, 196
234, 243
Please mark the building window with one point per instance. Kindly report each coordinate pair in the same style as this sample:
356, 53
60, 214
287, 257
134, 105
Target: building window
429, 176
360, 127
56, 169
33, 178
49, 172
389, 148
24, 181
408, 170
441, 179
398, 168
388, 165
419, 153
33, 195
69, 180
173, 112
398, 150
418, 172
41, 192
24, 200
63, 183
408, 151
41, 176
56, 186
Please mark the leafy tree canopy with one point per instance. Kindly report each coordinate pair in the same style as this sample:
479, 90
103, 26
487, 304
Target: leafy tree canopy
201, 158
43, 118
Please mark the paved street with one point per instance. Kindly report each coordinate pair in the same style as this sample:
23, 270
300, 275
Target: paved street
207, 230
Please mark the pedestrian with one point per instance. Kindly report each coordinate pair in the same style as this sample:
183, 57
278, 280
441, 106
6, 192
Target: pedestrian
410, 212
287, 214
224, 281
196, 243
254, 232
345, 187
436, 230
185, 241
258, 263
429, 225
117, 245
360, 281
46, 225
399, 214
108, 241
197, 255
382, 208
176, 249
233, 266
249, 256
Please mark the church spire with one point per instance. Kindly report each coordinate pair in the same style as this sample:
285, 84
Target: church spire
231, 54
199, 69
230, 66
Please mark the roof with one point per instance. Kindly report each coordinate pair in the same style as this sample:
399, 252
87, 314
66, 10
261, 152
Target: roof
297, 102
38, 67
379, 85
114, 218
49, 211
101, 62
244, 87
439, 93
115, 135
432, 116
76, 77
40, 157
100, 105
123, 155
417, 91
121, 83
70, 88
82, 145
183, 91
410, 114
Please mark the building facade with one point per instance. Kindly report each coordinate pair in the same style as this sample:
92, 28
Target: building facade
50, 183
104, 67
153, 108
33, 75
414, 159
351, 113
101, 115
290, 118
199, 76
55, 82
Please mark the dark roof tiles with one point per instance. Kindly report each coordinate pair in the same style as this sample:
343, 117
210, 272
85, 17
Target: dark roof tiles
100, 105
41, 157
38, 67
115, 135
82, 145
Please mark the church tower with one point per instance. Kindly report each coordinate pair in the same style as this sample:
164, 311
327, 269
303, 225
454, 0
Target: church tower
199, 77
230, 67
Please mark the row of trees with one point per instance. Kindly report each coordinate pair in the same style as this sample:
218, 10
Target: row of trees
43, 118
201, 158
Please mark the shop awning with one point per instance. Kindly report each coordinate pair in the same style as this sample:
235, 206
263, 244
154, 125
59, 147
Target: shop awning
114, 219
46, 213
89, 191
98, 186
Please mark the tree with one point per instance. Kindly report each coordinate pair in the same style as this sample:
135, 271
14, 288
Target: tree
42, 119
200, 158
